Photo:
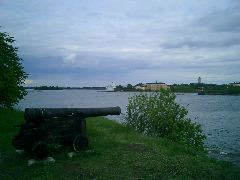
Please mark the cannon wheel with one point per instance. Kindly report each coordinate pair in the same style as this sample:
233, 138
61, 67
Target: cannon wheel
40, 150
80, 142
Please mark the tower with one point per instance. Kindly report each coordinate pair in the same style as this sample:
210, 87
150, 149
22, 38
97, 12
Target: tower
199, 80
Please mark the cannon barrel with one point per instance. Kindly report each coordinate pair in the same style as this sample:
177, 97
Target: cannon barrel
38, 114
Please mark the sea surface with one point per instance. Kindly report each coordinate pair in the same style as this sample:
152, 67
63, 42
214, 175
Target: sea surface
219, 115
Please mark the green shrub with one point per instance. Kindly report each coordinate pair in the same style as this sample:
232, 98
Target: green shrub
158, 114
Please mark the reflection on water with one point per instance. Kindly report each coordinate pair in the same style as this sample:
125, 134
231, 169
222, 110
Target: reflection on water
218, 115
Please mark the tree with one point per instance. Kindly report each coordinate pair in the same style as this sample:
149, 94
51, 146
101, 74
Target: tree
158, 114
12, 74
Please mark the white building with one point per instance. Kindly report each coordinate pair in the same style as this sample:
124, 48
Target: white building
140, 87
111, 87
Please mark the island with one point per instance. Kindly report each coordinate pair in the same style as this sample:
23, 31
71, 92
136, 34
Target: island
48, 88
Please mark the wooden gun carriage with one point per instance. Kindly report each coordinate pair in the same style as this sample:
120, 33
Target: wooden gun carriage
62, 126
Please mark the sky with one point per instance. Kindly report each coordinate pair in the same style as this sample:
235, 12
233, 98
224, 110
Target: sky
94, 43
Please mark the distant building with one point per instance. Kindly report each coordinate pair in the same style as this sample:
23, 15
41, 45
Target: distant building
141, 87
156, 86
235, 84
199, 80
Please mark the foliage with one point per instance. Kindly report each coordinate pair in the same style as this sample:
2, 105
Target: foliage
159, 115
186, 88
207, 88
12, 74
129, 87
224, 90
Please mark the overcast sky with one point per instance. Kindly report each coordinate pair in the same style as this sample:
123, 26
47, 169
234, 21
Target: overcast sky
96, 42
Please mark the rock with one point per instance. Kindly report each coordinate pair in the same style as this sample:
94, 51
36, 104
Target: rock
19, 151
49, 160
70, 155
45, 161
31, 162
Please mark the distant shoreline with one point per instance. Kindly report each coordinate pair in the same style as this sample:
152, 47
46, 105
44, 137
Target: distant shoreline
64, 88
100, 90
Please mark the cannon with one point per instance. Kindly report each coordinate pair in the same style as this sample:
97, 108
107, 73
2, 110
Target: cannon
45, 127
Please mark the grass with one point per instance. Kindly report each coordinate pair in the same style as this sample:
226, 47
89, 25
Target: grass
115, 152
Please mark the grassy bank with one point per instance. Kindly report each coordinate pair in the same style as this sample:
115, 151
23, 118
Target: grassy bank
115, 152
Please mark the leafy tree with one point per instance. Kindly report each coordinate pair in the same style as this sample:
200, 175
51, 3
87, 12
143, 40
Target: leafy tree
119, 88
129, 86
158, 114
12, 74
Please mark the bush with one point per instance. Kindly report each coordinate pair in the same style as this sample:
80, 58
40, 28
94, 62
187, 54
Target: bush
158, 114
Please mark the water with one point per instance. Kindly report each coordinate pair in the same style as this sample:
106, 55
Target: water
218, 115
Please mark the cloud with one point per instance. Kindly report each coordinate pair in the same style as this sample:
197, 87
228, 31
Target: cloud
125, 41
70, 58
219, 42
226, 20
